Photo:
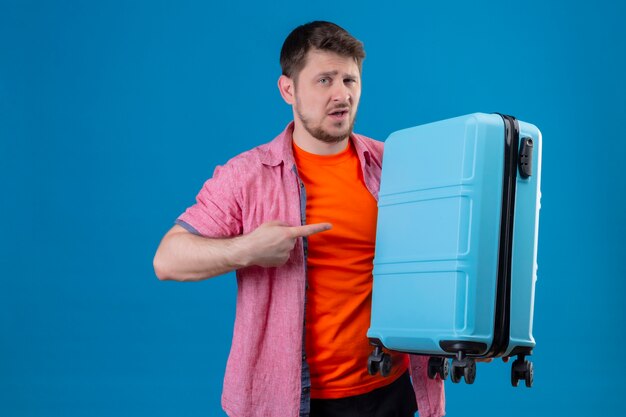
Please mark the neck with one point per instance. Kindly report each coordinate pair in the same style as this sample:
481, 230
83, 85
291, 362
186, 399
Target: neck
308, 143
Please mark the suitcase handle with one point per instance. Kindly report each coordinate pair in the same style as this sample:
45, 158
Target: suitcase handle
526, 157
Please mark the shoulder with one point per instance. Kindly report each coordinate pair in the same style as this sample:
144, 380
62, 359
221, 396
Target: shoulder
374, 147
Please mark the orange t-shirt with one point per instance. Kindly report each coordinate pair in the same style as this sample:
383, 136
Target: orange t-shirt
339, 276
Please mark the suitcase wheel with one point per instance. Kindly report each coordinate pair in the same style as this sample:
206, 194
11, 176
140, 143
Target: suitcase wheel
470, 372
379, 361
522, 369
445, 370
372, 366
385, 365
463, 367
456, 373
438, 366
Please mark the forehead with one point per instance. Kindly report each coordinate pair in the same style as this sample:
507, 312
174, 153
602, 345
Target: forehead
318, 61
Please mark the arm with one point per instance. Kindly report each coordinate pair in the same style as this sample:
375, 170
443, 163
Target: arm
183, 256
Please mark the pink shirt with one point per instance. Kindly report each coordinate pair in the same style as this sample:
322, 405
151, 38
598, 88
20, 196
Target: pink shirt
264, 370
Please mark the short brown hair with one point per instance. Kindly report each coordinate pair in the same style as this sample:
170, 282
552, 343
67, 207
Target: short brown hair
320, 35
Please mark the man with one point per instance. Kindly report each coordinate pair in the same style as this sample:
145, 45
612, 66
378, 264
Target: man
296, 218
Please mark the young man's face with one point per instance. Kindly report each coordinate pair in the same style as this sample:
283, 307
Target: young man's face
327, 92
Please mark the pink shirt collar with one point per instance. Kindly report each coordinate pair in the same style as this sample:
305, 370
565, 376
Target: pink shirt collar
280, 150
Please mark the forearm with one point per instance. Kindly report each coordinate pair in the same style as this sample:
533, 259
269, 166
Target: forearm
184, 256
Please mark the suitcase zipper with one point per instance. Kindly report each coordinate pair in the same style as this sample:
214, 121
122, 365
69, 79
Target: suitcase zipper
502, 320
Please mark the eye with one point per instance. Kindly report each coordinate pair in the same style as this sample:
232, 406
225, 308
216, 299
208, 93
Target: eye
350, 81
323, 81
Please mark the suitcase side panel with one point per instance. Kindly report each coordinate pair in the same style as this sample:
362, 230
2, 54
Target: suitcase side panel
525, 237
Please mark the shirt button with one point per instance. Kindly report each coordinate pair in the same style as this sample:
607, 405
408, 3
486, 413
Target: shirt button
304, 357
305, 389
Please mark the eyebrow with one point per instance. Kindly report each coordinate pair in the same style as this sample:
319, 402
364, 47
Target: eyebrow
334, 73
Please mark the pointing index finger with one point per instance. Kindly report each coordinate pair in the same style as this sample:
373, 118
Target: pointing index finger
309, 229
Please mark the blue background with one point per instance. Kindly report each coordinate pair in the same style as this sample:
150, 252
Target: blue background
112, 116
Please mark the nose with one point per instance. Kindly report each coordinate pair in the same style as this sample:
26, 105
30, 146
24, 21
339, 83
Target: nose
341, 93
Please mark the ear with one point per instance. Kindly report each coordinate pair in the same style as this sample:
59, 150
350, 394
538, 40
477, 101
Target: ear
287, 89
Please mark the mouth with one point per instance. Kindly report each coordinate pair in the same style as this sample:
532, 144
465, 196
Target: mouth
339, 114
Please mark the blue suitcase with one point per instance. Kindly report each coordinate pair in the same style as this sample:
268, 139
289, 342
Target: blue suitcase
456, 246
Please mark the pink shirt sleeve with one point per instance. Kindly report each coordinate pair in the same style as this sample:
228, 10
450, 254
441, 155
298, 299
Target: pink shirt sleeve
429, 393
217, 211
